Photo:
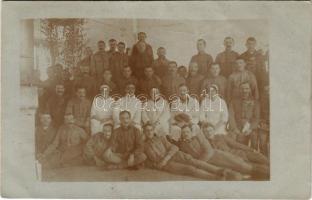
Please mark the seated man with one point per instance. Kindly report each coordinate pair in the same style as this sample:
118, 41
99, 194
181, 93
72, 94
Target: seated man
228, 144
148, 81
130, 103
165, 156
101, 110
183, 104
79, 107
194, 80
126, 149
199, 147
66, 149
96, 146
107, 80
86, 81
56, 105
171, 81
44, 134
156, 111
126, 78
244, 117
213, 110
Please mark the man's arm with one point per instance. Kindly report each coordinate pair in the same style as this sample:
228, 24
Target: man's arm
236, 145
52, 147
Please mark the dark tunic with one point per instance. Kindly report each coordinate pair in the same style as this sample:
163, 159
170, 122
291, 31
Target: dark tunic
99, 62
145, 84
160, 66
242, 111
219, 81
226, 60
116, 63
43, 138
56, 107
204, 62
127, 141
194, 84
170, 85
139, 60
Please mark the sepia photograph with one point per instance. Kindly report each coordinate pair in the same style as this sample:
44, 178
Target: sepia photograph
148, 99
156, 100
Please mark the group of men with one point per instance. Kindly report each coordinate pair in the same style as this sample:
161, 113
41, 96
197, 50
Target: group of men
121, 110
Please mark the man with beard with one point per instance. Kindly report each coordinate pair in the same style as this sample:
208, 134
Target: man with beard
142, 55
126, 78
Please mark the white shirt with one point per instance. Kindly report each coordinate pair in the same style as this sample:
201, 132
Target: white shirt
213, 112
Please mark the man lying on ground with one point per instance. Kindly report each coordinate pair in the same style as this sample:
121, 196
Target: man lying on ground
228, 144
165, 156
199, 147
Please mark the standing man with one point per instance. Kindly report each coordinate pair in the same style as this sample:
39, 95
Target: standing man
215, 79
127, 145
227, 58
255, 61
203, 59
142, 55
171, 82
244, 117
112, 47
100, 61
118, 61
160, 65
241, 75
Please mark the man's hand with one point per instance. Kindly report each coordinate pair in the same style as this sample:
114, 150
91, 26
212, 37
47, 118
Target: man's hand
162, 163
131, 160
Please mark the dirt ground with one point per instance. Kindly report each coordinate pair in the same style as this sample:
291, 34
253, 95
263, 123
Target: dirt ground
89, 174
